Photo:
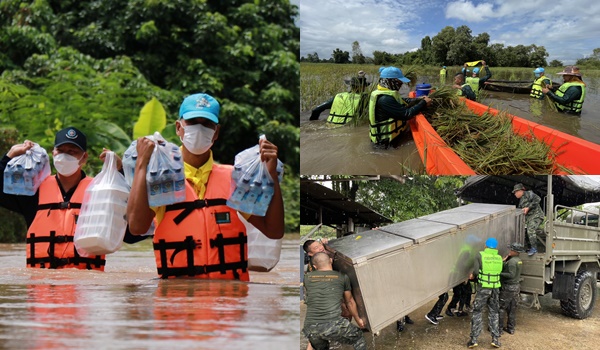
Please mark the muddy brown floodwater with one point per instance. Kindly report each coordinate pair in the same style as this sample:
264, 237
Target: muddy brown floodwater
546, 329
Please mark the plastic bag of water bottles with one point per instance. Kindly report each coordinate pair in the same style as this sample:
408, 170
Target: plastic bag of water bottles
102, 219
263, 252
165, 177
24, 174
252, 184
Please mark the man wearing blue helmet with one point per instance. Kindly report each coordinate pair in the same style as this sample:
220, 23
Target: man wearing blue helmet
487, 269
443, 75
475, 81
388, 111
541, 81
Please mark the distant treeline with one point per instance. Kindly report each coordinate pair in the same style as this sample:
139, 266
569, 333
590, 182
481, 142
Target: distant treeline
449, 47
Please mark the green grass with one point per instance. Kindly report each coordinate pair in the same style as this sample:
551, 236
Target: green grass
321, 81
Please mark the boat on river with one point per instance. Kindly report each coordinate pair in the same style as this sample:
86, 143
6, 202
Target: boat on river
512, 86
573, 155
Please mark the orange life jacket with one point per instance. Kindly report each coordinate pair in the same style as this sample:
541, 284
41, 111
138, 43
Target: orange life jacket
50, 236
203, 238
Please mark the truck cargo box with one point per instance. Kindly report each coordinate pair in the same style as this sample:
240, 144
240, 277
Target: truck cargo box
398, 268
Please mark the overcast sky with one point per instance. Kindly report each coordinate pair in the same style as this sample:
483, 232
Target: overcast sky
569, 30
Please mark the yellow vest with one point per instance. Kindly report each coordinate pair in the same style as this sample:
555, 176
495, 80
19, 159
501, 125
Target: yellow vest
384, 131
574, 106
491, 267
474, 84
536, 88
345, 106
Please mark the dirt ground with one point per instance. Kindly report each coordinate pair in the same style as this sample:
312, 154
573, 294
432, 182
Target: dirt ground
546, 329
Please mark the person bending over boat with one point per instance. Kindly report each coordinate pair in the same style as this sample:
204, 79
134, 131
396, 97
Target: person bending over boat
570, 96
345, 105
463, 88
474, 80
540, 82
388, 111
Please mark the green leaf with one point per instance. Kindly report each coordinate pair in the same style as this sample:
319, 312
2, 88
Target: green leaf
152, 118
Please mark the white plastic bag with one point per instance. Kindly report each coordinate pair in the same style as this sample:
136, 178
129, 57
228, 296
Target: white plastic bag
24, 174
102, 219
252, 185
263, 252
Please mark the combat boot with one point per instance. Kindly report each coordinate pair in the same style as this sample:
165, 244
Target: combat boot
472, 343
495, 342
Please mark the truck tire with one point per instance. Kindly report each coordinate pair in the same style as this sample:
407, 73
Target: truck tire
584, 292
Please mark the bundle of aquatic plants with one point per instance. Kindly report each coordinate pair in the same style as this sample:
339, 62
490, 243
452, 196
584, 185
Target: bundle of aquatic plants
488, 144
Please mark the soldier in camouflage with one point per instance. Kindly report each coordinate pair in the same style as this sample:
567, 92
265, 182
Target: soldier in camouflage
509, 292
534, 215
325, 291
487, 269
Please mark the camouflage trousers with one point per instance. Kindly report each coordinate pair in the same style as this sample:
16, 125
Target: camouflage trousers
320, 334
533, 223
490, 297
509, 298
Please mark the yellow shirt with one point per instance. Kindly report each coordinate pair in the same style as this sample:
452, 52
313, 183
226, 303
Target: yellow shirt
198, 178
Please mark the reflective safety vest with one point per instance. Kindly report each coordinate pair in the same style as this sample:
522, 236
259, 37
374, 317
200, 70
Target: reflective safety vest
573, 106
344, 108
474, 84
203, 238
536, 88
384, 131
50, 236
490, 269
459, 92
443, 72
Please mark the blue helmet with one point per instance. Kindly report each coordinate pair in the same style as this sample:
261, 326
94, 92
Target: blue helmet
393, 73
539, 70
491, 243
476, 70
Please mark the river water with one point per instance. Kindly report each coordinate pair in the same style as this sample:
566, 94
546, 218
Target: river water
128, 307
328, 149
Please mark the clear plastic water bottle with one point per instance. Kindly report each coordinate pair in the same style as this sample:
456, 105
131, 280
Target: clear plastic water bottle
167, 187
129, 159
240, 191
262, 204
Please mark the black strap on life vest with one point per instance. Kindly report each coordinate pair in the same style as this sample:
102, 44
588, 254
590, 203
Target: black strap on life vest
188, 245
54, 262
188, 207
334, 115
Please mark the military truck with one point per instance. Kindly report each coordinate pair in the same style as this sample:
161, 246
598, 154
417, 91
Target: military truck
567, 265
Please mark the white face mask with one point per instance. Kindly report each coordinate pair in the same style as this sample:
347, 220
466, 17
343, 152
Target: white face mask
66, 164
197, 138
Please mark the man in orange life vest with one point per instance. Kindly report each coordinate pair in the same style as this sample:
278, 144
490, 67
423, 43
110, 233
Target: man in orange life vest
202, 236
51, 214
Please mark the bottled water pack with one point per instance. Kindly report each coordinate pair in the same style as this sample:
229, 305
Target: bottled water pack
24, 174
253, 187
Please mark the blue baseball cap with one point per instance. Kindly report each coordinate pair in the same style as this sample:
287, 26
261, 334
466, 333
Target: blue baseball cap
200, 106
476, 70
491, 243
539, 70
393, 72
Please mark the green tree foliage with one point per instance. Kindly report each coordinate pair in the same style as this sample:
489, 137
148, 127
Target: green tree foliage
357, 55
95, 64
410, 198
556, 63
592, 61
340, 56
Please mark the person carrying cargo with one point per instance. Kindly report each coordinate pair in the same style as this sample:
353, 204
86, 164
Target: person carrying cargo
487, 269
510, 277
534, 215
325, 291
51, 213
345, 105
474, 80
388, 111
201, 237
570, 96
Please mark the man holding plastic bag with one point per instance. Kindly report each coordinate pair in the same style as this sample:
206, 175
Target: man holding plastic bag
201, 236
51, 212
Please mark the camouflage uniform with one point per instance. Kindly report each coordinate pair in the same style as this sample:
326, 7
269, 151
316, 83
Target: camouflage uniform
534, 217
510, 278
341, 330
491, 298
